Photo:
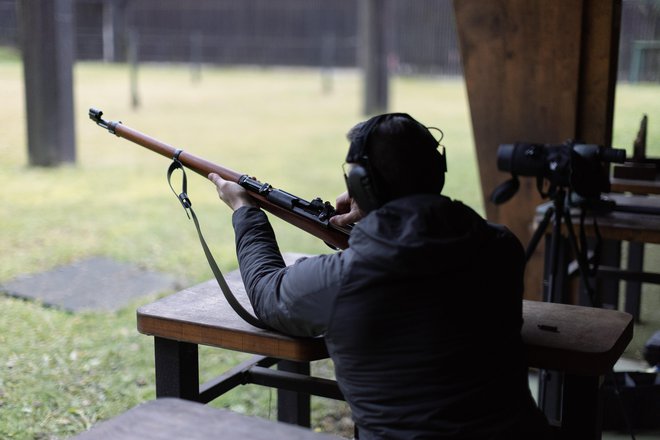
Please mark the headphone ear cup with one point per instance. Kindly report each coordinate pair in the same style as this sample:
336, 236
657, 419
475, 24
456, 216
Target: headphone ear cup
361, 189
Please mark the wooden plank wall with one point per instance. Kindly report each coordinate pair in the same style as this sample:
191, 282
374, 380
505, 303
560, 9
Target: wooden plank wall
536, 71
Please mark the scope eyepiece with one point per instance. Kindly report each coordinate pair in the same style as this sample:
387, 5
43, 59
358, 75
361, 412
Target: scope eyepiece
615, 155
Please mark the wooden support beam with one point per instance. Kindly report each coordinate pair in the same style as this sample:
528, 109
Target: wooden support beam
599, 57
536, 71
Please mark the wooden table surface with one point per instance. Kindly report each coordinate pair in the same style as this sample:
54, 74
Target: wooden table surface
632, 226
201, 315
636, 186
575, 339
584, 340
621, 226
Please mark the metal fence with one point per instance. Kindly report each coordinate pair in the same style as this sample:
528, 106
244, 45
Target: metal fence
421, 34
639, 48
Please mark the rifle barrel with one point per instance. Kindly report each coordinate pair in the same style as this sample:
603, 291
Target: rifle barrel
326, 231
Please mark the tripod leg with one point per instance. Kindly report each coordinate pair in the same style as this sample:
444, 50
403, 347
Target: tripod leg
551, 382
581, 258
555, 267
539, 232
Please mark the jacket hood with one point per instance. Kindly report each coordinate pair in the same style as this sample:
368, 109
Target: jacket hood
424, 233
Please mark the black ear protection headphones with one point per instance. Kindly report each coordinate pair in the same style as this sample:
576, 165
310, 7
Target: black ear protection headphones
362, 183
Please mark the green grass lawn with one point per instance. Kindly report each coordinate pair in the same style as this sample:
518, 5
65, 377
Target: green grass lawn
61, 372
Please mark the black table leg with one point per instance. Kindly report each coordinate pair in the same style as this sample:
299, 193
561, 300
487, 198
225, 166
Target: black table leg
177, 369
293, 407
607, 288
634, 288
581, 407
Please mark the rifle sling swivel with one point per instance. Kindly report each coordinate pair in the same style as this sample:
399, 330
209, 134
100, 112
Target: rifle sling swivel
224, 287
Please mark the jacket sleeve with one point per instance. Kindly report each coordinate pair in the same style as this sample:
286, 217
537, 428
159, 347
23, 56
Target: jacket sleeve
296, 300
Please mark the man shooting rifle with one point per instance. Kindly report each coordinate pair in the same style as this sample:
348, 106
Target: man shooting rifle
421, 314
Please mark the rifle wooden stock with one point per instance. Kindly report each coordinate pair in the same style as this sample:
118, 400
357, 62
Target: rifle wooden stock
321, 228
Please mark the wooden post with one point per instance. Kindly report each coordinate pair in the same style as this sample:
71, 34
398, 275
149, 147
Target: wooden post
133, 65
328, 61
373, 56
536, 71
114, 29
47, 47
108, 12
196, 56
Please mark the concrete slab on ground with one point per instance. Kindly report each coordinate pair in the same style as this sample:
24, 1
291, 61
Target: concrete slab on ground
95, 283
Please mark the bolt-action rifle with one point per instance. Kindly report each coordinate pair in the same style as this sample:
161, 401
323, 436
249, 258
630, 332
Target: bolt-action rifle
312, 217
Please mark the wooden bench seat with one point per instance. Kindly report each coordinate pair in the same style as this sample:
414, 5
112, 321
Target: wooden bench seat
177, 419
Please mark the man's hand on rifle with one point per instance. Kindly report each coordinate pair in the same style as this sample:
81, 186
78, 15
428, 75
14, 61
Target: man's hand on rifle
233, 194
347, 211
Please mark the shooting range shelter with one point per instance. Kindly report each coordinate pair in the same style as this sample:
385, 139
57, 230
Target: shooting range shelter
536, 71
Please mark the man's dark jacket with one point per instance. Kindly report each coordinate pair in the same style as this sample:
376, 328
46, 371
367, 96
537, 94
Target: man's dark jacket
421, 316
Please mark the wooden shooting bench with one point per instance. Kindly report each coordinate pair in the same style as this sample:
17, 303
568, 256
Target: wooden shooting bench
582, 343
637, 186
614, 227
640, 177
176, 419
637, 228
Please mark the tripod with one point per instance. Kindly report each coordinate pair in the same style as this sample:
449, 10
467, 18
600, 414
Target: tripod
558, 211
550, 382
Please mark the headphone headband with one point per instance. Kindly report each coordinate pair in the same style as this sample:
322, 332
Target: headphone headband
357, 152
363, 182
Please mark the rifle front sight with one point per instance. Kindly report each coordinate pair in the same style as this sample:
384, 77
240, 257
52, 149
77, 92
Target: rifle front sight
96, 116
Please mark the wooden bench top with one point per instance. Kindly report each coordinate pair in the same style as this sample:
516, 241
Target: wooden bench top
176, 419
580, 340
636, 186
201, 315
575, 339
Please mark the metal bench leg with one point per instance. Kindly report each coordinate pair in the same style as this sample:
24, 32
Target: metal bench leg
293, 407
607, 289
550, 393
634, 288
581, 407
177, 369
